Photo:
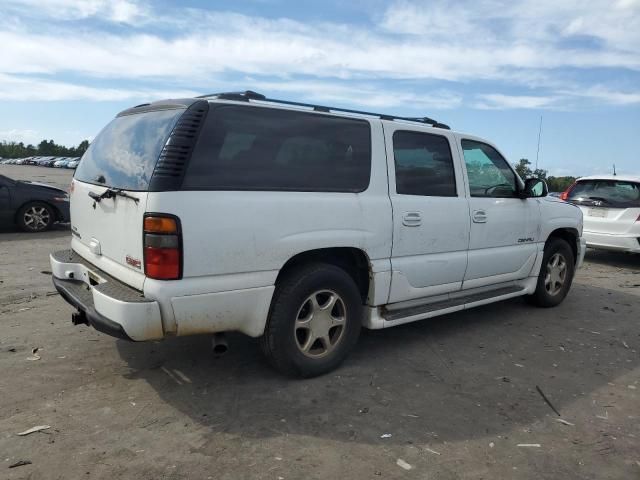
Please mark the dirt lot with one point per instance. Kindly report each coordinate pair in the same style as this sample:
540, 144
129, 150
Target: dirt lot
449, 398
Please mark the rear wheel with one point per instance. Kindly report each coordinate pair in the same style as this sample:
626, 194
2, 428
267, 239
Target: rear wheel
35, 217
556, 274
315, 321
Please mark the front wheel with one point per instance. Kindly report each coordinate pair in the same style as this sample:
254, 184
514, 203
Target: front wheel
35, 217
556, 274
315, 321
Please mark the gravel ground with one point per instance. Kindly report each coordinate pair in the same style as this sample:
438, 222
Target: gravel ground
454, 397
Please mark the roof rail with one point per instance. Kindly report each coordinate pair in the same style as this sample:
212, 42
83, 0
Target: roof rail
251, 95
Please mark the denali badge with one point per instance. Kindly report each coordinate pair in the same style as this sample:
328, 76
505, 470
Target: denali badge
525, 240
134, 262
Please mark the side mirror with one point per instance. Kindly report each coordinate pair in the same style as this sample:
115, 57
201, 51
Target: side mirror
535, 188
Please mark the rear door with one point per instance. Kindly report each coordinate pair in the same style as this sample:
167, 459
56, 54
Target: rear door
108, 231
430, 213
505, 229
609, 206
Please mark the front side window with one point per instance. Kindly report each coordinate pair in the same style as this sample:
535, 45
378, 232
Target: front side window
488, 172
424, 165
254, 148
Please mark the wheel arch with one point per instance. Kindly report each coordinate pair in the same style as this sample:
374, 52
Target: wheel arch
352, 260
570, 235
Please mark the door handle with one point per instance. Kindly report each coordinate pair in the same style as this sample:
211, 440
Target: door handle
412, 219
479, 216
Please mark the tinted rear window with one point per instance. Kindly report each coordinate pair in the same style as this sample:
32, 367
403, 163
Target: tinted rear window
424, 165
125, 152
606, 193
252, 148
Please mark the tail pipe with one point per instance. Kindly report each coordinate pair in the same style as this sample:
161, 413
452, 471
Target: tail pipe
219, 344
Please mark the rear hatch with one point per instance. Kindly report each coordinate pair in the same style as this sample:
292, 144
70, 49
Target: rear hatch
109, 192
609, 206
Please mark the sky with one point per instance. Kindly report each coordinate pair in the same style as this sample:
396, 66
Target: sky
487, 67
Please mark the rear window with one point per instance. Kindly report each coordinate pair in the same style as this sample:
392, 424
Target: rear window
252, 148
125, 152
606, 193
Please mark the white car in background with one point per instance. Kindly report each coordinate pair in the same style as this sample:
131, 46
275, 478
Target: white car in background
611, 208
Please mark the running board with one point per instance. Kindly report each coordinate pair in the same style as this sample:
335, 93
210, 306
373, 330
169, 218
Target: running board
391, 315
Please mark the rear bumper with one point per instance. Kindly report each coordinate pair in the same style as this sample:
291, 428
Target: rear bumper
623, 243
102, 301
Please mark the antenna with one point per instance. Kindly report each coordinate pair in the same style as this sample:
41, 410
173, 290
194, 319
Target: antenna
539, 135
614, 169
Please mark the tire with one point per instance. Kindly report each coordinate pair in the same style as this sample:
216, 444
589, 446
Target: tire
294, 341
35, 217
554, 280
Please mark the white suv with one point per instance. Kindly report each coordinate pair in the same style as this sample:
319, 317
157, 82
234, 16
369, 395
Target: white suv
299, 224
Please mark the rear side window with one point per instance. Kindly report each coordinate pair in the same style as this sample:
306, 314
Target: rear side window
253, 148
424, 165
606, 193
126, 151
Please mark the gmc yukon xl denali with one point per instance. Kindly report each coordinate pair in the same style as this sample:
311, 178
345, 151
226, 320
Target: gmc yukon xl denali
300, 224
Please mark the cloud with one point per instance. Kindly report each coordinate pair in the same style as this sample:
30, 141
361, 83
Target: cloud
439, 48
119, 11
565, 99
29, 89
19, 135
603, 94
226, 42
501, 101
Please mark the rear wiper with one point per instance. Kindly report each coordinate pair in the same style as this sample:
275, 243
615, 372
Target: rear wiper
112, 193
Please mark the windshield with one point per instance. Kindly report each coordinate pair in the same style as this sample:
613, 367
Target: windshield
125, 152
606, 193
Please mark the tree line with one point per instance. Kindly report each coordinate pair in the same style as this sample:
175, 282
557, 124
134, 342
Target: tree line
46, 148
556, 184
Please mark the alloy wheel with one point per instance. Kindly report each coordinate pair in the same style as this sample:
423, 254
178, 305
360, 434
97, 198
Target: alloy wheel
556, 274
320, 323
37, 218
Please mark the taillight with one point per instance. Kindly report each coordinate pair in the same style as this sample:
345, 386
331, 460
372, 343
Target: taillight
162, 247
565, 195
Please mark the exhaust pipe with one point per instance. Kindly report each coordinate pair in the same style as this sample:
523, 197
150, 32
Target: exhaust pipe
219, 344
79, 318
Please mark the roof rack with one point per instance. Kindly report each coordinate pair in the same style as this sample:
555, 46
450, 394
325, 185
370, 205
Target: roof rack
251, 95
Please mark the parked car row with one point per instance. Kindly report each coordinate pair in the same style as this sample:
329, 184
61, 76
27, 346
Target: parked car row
58, 162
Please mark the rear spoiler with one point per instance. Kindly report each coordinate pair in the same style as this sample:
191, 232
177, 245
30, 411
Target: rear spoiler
160, 105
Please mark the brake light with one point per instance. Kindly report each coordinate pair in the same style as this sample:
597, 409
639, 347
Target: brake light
162, 247
565, 195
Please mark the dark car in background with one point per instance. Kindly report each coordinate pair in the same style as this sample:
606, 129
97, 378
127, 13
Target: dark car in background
34, 207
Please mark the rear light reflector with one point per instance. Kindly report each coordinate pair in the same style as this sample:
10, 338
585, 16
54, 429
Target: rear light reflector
162, 263
162, 247
565, 195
